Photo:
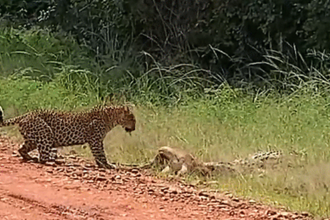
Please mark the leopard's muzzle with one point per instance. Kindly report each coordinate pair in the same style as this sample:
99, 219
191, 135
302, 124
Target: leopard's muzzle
129, 129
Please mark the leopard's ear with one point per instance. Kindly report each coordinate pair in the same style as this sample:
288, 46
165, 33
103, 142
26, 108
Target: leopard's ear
114, 99
129, 106
108, 100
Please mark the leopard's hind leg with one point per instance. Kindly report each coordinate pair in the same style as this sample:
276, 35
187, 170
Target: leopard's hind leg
25, 148
37, 134
53, 154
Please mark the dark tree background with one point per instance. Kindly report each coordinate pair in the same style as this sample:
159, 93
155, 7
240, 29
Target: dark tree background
223, 36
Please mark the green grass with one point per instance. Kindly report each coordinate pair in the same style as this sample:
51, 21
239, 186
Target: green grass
218, 125
37, 53
223, 127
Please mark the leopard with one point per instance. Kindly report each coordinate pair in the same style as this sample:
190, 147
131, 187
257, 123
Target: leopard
46, 130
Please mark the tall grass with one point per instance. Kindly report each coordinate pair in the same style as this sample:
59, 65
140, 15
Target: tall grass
44, 56
216, 128
175, 107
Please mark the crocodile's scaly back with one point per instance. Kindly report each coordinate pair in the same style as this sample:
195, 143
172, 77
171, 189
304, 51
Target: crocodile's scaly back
255, 162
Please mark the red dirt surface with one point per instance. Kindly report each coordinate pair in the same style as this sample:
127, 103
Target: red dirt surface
78, 190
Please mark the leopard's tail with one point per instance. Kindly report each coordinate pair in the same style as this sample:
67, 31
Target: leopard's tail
9, 122
1, 116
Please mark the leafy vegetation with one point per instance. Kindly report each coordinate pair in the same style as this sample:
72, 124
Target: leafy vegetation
221, 37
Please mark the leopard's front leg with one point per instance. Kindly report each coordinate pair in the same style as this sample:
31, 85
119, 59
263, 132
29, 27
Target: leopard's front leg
98, 129
99, 155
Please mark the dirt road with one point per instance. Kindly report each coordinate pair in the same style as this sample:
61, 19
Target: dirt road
78, 190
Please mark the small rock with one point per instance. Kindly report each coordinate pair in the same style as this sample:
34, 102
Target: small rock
305, 214
119, 181
275, 218
48, 180
60, 157
71, 187
225, 209
212, 204
251, 201
174, 191
270, 212
76, 165
225, 202
85, 168
60, 161
284, 214
164, 188
229, 195
74, 176
203, 198
135, 171
78, 173
294, 216
236, 199
196, 182
242, 205
15, 154
101, 169
49, 171
72, 156
202, 193
50, 163
211, 182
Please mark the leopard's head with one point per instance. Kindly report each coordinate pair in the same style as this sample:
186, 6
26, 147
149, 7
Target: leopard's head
121, 115
127, 119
